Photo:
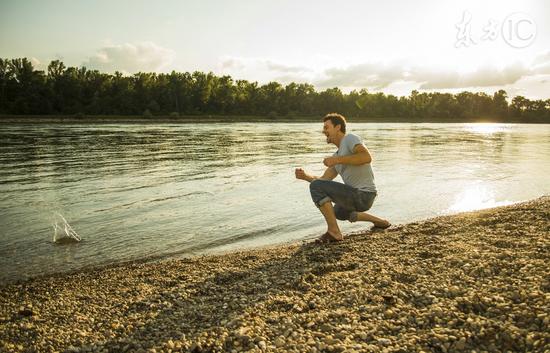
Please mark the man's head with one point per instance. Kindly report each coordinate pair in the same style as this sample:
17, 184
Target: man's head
334, 127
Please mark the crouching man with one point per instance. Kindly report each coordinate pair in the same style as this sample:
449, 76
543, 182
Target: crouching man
356, 195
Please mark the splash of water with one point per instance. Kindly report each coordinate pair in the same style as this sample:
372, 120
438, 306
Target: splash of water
63, 232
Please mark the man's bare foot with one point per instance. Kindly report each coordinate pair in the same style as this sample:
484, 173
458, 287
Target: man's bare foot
329, 238
382, 225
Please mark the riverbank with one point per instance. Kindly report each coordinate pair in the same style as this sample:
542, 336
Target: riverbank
477, 280
182, 119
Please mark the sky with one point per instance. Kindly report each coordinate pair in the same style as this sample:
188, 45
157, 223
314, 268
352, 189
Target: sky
386, 46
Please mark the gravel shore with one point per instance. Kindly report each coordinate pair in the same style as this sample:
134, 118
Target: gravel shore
473, 281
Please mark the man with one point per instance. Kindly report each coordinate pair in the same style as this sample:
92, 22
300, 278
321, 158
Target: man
356, 195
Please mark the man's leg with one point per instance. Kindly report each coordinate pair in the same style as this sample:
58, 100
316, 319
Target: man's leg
378, 222
323, 193
328, 212
365, 201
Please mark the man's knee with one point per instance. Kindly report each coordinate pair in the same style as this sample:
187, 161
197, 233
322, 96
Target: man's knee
341, 213
318, 195
315, 185
316, 189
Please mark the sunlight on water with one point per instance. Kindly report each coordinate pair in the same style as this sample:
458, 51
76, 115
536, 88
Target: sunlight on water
475, 198
486, 128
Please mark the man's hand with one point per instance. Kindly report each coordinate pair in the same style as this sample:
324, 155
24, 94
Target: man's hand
331, 161
300, 174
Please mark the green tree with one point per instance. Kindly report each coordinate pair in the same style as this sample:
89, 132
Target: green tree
76, 90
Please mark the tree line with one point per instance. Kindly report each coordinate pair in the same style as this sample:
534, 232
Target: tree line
78, 91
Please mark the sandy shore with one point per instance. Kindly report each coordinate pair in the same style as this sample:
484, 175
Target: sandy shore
474, 281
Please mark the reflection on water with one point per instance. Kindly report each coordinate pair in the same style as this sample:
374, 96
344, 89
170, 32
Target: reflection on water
476, 198
487, 128
135, 191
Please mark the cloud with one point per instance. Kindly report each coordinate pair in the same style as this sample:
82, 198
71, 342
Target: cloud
373, 75
482, 77
542, 64
285, 68
379, 75
232, 63
532, 87
131, 58
382, 75
264, 70
259, 63
397, 77
542, 58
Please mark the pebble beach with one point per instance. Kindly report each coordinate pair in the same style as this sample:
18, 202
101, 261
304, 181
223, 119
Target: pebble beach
477, 281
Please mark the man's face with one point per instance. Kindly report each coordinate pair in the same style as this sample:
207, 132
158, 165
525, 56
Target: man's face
330, 131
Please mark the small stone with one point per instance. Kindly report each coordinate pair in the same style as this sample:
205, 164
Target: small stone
331, 341
262, 345
170, 344
26, 312
338, 348
340, 335
279, 341
460, 344
195, 347
384, 341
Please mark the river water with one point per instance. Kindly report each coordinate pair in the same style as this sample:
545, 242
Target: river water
140, 191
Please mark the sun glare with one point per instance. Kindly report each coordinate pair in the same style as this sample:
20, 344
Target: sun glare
486, 128
475, 198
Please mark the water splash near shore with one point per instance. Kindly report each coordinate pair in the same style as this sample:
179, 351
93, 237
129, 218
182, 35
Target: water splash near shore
63, 232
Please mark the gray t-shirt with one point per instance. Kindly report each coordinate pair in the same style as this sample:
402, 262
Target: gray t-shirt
357, 176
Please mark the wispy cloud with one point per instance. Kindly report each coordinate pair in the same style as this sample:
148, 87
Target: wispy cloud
542, 64
380, 75
285, 68
260, 63
131, 58
482, 77
371, 75
398, 77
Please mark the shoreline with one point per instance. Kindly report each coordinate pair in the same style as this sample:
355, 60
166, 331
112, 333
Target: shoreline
186, 119
475, 280
183, 257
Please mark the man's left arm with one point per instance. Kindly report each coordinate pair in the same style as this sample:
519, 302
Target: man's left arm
360, 156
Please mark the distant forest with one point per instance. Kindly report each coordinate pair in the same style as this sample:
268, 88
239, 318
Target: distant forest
80, 92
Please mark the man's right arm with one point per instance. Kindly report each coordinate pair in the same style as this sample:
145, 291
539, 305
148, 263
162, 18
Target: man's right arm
329, 174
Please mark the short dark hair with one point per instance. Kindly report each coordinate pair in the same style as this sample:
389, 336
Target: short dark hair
336, 119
